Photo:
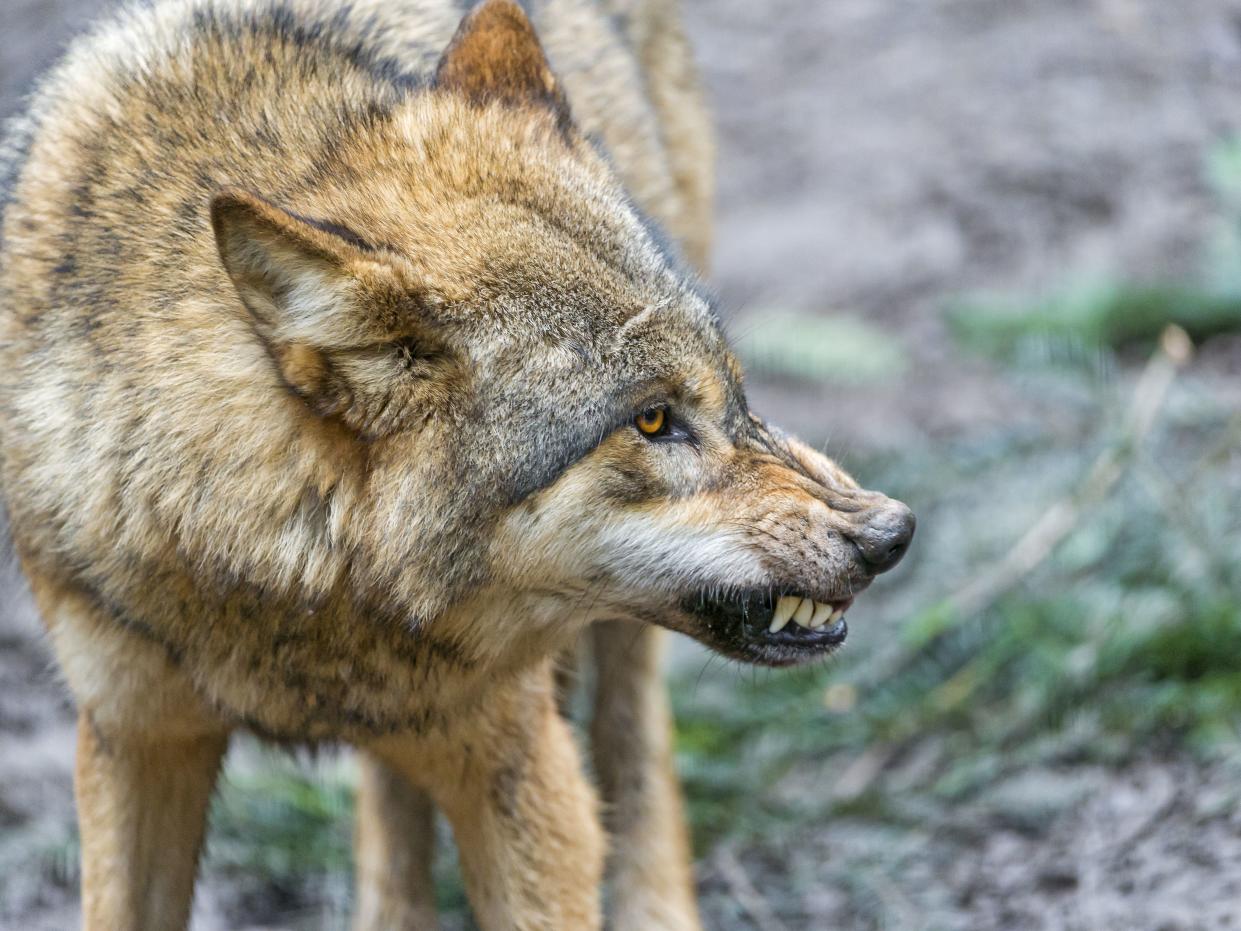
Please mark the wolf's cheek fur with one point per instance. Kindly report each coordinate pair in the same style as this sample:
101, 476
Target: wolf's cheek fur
654, 522
706, 538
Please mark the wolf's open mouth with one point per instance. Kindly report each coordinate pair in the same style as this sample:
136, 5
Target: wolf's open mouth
770, 628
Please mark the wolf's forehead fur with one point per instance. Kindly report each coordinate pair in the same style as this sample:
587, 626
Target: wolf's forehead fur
569, 305
492, 205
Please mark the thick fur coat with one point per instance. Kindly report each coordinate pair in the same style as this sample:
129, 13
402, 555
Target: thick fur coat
352, 364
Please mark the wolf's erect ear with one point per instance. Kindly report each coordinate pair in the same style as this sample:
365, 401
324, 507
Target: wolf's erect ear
301, 278
496, 55
337, 316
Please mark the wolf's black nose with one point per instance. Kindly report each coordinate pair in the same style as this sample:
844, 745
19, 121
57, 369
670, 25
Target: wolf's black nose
884, 537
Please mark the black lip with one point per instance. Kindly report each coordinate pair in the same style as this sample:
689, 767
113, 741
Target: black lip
737, 625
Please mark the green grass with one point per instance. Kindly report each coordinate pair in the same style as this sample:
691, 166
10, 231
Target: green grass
1078, 322
839, 348
1082, 321
282, 821
282, 835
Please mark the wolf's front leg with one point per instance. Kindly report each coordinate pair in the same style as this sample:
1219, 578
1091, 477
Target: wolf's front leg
525, 819
631, 734
148, 754
394, 850
142, 807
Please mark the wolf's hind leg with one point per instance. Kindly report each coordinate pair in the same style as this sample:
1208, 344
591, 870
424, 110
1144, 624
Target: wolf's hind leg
394, 849
631, 734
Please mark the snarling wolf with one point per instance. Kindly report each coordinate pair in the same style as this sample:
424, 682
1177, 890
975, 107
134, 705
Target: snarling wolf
351, 367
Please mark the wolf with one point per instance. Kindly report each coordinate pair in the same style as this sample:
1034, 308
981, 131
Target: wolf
353, 366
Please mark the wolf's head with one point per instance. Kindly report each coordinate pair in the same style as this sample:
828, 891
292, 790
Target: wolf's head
544, 419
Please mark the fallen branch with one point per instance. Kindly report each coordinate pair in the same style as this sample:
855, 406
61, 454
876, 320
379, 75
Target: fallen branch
747, 896
1041, 540
1038, 543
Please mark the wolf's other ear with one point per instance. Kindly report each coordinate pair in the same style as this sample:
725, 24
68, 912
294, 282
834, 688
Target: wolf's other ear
338, 318
496, 55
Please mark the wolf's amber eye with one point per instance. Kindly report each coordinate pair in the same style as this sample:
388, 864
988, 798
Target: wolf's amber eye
652, 422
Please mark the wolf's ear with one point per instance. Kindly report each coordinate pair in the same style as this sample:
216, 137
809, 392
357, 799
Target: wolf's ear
337, 316
496, 55
293, 273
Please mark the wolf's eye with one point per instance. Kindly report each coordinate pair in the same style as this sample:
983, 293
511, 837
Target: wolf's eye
652, 422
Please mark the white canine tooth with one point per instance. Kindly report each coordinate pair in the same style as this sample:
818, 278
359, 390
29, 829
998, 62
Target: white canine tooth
837, 615
821, 614
785, 607
804, 612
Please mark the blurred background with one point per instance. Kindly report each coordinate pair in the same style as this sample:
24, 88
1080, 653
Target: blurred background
953, 235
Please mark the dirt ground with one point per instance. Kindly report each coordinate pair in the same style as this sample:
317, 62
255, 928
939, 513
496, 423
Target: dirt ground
1153, 849
877, 159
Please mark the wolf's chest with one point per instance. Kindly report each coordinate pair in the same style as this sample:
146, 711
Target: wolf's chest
331, 672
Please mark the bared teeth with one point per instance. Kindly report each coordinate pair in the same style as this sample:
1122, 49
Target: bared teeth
804, 612
822, 612
784, 612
